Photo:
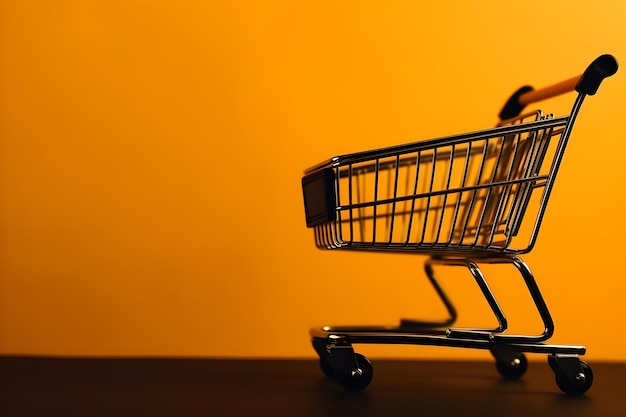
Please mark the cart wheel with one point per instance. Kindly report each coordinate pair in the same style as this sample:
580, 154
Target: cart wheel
576, 384
513, 367
359, 378
327, 368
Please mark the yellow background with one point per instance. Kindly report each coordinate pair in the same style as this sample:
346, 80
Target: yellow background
151, 156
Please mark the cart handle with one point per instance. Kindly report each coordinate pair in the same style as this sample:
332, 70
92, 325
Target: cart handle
588, 83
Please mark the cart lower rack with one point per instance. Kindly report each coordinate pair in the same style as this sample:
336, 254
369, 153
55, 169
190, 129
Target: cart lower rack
464, 200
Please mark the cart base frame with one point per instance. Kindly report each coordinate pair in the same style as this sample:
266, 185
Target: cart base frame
353, 371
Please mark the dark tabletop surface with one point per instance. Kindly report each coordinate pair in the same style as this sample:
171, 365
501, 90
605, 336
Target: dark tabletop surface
34, 386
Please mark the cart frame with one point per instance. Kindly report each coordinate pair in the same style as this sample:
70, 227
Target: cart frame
473, 211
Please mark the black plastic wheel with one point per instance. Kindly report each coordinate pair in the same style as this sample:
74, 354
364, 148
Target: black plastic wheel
513, 367
359, 378
579, 385
327, 368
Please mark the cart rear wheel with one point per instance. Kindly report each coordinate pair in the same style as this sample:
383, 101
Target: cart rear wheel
513, 367
575, 384
359, 378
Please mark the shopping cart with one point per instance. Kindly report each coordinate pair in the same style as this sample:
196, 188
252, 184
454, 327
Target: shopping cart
464, 200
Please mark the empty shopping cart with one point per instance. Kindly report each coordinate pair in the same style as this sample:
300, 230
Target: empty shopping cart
464, 200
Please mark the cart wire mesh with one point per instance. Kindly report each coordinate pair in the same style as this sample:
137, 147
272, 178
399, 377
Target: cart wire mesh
462, 193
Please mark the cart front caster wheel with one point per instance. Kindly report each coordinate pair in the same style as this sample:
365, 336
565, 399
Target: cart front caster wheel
577, 383
512, 366
359, 378
327, 368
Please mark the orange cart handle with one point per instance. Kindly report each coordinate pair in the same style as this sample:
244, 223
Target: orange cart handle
588, 83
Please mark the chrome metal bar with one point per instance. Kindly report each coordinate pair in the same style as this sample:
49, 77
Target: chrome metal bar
466, 167
472, 201
444, 192
446, 186
554, 169
400, 336
416, 182
414, 325
350, 191
479, 277
540, 304
428, 199
395, 201
366, 156
375, 205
